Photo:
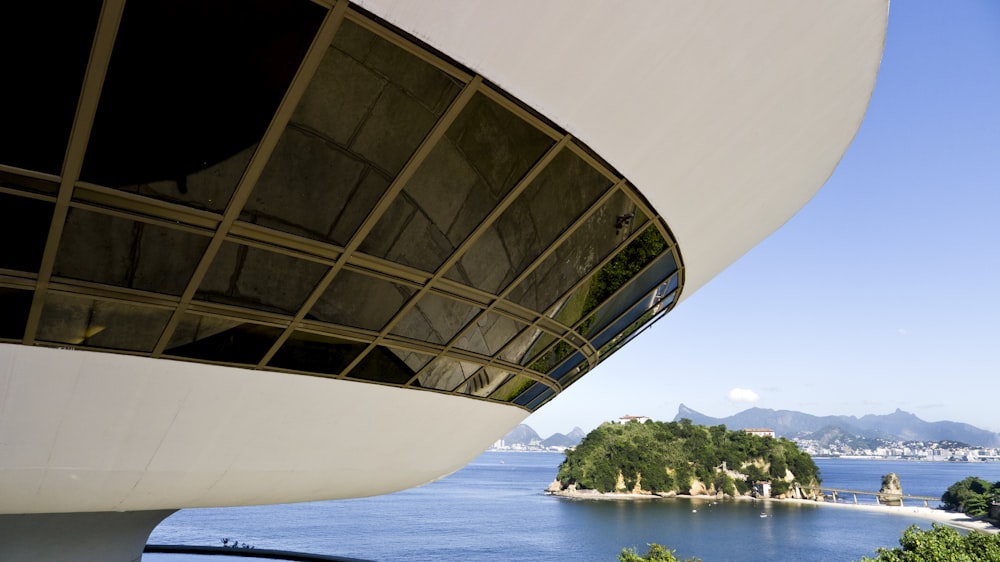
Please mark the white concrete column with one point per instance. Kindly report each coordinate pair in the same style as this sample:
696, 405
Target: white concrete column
77, 537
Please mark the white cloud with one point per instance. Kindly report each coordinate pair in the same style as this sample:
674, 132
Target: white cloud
742, 395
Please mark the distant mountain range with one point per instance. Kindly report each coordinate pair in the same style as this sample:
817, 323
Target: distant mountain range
899, 425
526, 436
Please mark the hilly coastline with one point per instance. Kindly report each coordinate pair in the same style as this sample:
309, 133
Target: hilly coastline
899, 426
869, 431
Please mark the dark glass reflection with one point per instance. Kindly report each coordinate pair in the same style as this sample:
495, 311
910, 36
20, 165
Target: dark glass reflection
192, 84
27, 222
191, 88
388, 365
104, 324
480, 159
107, 249
43, 54
15, 304
484, 381
435, 319
557, 197
489, 334
303, 351
244, 343
446, 373
246, 276
354, 299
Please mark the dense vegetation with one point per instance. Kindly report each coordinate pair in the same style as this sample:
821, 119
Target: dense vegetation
938, 544
972, 496
665, 457
941, 544
657, 553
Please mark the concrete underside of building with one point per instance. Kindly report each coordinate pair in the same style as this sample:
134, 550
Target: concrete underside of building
294, 251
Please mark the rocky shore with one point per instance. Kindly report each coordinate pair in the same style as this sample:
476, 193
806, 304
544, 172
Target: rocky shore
952, 518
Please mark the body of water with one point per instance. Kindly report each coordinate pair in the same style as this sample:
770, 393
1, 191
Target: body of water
495, 509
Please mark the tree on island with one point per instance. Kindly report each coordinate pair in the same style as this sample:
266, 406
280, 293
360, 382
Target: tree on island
972, 496
664, 457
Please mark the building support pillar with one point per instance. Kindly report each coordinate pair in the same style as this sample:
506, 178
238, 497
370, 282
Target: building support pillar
77, 537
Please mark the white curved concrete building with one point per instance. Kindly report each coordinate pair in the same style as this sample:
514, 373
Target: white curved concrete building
288, 251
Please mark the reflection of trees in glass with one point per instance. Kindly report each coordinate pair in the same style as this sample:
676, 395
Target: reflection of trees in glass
622, 268
513, 388
553, 358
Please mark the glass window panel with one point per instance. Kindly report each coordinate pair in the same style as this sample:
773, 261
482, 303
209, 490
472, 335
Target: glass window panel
222, 340
611, 340
170, 108
246, 276
446, 373
196, 327
354, 299
15, 304
542, 398
559, 372
389, 365
637, 289
209, 188
489, 334
435, 319
481, 157
609, 278
103, 324
116, 251
552, 357
512, 388
313, 188
574, 374
405, 111
485, 381
27, 222
43, 52
525, 346
304, 351
557, 197
529, 395
574, 259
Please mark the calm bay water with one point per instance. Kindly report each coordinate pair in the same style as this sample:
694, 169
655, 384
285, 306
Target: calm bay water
495, 509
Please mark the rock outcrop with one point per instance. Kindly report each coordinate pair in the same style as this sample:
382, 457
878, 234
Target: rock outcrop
891, 492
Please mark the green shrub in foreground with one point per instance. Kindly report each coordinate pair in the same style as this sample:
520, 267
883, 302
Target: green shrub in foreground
657, 553
941, 544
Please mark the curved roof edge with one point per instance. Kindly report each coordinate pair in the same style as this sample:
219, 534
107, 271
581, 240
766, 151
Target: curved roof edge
727, 116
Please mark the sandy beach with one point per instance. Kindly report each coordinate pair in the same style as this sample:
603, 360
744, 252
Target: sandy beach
954, 519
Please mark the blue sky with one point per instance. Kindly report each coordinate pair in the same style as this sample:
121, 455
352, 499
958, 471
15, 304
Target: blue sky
882, 293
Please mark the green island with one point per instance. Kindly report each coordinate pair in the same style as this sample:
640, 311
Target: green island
674, 458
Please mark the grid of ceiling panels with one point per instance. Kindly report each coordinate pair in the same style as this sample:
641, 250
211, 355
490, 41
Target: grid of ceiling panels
301, 189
